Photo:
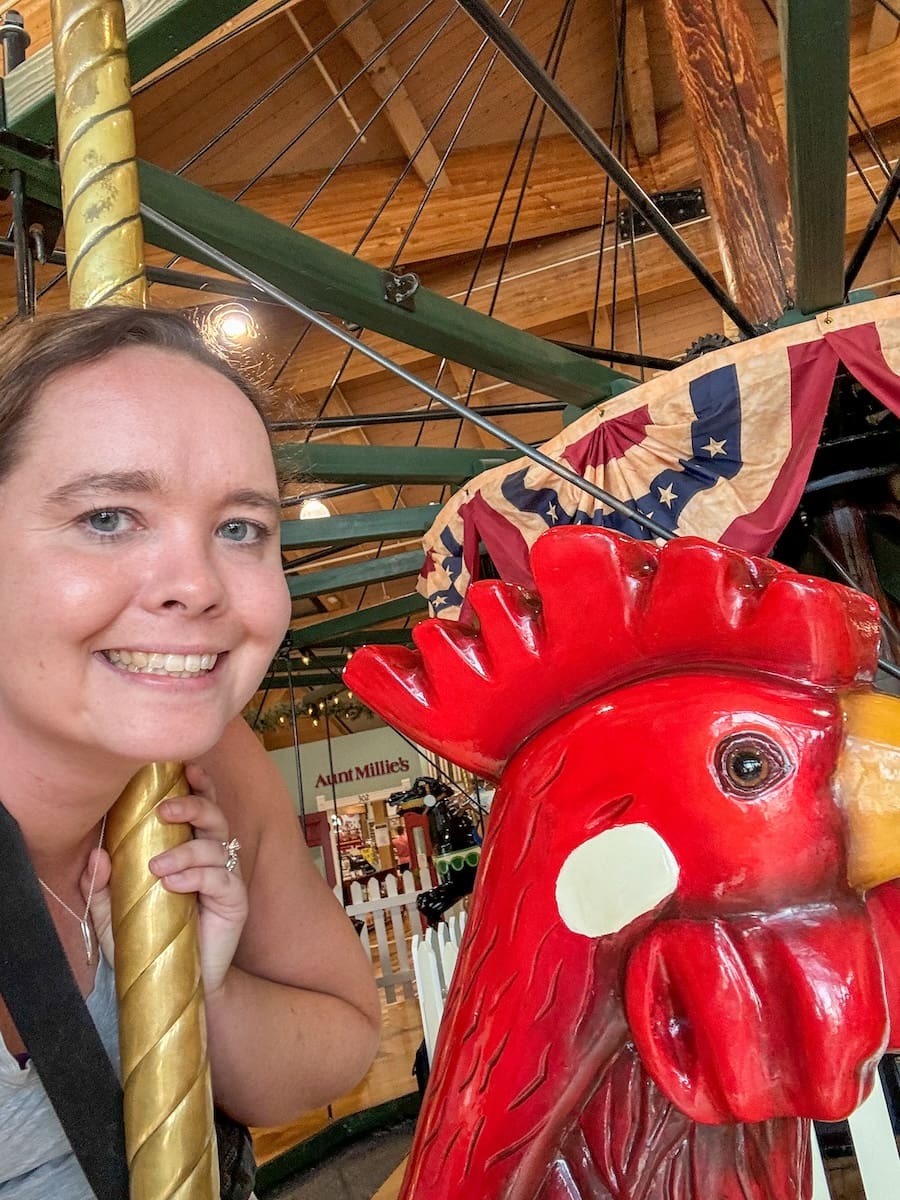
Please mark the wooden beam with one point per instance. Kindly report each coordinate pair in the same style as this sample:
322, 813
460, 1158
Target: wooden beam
363, 35
325, 74
816, 102
565, 188
743, 160
338, 579
639, 98
883, 29
157, 31
554, 280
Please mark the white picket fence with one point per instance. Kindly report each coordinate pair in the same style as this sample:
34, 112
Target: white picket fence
389, 914
434, 958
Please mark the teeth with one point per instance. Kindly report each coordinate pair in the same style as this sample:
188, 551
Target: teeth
179, 666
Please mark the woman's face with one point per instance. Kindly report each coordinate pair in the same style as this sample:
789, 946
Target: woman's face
142, 595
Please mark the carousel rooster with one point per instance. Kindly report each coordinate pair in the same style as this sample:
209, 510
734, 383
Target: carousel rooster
677, 951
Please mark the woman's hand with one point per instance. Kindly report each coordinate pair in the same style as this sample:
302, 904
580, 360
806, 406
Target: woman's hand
197, 865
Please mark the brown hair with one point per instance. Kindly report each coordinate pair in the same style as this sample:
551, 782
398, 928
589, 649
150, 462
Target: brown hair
33, 352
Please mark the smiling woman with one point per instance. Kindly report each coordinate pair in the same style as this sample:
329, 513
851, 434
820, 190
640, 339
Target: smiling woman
141, 602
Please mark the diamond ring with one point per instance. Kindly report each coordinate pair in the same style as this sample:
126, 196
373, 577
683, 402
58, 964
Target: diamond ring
232, 848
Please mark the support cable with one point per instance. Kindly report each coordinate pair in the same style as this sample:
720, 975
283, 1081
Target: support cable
225, 262
519, 57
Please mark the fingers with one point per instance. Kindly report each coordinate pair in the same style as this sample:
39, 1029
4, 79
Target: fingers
199, 809
195, 866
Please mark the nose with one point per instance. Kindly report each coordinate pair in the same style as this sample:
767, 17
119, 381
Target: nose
185, 577
868, 785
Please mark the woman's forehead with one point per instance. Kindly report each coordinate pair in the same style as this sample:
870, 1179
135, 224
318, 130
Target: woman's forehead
143, 408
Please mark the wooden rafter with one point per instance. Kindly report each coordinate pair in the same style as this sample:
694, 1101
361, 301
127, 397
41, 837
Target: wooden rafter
884, 28
363, 35
639, 98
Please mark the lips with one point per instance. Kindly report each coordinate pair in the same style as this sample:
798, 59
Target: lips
760, 1017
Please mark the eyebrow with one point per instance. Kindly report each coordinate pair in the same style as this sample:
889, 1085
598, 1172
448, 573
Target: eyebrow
104, 481
254, 499
145, 482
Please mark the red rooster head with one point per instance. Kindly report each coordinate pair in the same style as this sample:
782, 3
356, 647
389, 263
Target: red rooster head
669, 960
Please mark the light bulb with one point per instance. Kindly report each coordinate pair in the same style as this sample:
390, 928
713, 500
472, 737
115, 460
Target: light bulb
231, 324
313, 509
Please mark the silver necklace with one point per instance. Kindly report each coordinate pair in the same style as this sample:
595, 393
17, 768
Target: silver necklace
83, 921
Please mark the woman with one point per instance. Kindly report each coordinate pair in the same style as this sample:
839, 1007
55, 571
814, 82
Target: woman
142, 600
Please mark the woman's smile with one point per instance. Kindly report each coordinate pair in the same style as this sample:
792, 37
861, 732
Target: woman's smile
163, 663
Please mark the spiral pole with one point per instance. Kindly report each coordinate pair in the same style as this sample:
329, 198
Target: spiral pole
169, 1128
98, 171
169, 1125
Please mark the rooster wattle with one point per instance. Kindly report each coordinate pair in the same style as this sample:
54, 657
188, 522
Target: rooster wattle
672, 959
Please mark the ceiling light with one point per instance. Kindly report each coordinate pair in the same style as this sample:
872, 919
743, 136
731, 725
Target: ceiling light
312, 509
230, 325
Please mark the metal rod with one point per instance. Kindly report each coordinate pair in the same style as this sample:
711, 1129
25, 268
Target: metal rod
414, 416
620, 356
181, 279
871, 231
225, 262
327, 493
15, 41
298, 766
22, 247
531, 71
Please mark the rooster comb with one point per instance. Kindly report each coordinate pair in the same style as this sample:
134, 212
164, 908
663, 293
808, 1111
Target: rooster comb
607, 611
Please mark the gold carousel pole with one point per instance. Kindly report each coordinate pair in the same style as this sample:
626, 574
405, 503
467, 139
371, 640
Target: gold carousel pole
169, 1129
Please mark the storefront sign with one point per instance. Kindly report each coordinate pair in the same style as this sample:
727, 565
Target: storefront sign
378, 760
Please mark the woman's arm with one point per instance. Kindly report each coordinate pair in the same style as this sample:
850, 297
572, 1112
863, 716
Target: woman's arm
296, 1021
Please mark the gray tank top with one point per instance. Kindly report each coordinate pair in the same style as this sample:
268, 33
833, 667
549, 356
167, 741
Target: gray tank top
36, 1161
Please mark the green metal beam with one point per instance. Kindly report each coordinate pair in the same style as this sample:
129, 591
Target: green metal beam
307, 681
373, 570
332, 462
815, 61
352, 528
389, 637
335, 282
335, 629
321, 662
158, 30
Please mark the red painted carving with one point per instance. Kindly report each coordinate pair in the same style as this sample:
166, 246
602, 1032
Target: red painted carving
670, 1053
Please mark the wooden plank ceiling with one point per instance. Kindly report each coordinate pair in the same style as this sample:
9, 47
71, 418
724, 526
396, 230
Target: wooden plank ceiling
387, 129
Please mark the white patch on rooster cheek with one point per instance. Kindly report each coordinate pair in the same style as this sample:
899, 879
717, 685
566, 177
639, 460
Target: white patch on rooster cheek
610, 880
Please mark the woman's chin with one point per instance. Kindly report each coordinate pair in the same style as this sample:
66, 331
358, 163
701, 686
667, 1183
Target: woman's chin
180, 746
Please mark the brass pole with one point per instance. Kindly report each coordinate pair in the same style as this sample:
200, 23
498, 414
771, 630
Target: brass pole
169, 1128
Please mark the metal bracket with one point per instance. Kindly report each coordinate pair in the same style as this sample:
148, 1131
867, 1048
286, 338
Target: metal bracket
400, 289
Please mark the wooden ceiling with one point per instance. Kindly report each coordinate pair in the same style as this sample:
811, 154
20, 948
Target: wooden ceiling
389, 130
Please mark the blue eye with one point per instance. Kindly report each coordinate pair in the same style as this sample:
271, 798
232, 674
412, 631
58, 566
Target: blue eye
242, 531
105, 520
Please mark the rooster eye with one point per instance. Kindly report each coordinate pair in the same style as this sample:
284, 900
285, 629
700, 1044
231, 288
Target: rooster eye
750, 762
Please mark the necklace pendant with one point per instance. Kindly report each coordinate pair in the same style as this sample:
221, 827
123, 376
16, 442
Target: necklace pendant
88, 942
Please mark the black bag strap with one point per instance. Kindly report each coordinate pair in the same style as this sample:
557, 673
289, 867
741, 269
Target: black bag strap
43, 998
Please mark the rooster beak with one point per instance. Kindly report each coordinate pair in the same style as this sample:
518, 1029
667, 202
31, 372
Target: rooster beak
868, 786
